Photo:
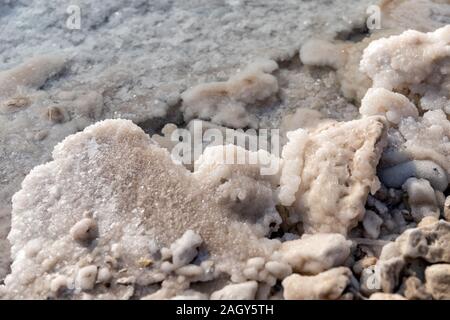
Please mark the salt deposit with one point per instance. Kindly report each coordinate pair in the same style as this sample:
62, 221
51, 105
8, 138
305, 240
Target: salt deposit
344, 195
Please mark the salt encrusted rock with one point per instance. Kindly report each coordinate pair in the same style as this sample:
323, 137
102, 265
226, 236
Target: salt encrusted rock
184, 249
225, 102
247, 190
372, 224
113, 170
386, 296
438, 281
240, 291
316, 52
406, 59
337, 160
315, 253
415, 289
421, 198
33, 73
427, 220
279, 269
431, 242
85, 279
447, 209
59, 284
84, 230
414, 62
388, 273
393, 106
327, 285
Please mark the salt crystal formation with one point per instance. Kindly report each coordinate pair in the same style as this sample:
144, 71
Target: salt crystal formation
355, 205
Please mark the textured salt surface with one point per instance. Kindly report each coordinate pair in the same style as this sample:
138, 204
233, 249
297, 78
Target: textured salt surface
132, 59
356, 209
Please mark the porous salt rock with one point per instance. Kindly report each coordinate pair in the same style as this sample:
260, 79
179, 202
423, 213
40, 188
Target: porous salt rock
386, 296
421, 198
413, 61
415, 289
246, 189
344, 57
427, 220
337, 164
406, 59
292, 156
388, 273
225, 103
430, 242
59, 284
315, 253
115, 171
437, 278
84, 230
240, 291
279, 269
328, 285
33, 73
447, 209
394, 106
303, 118
184, 249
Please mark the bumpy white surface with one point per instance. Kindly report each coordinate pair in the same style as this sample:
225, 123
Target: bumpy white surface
315, 253
394, 106
99, 172
331, 171
327, 285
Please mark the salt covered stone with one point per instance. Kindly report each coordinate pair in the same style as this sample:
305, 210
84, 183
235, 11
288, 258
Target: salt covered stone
316, 52
315, 253
329, 172
421, 198
240, 291
225, 103
387, 272
31, 74
413, 60
431, 242
438, 281
328, 285
425, 140
84, 230
184, 249
115, 171
405, 59
279, 269
86, 277
393, 106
